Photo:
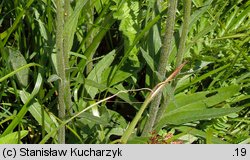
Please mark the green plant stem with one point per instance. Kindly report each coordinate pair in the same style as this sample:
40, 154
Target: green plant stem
134, 122
165, 52
180, 55
63, 123
185, 28
66, 50
60, 67
155, 92
128, 132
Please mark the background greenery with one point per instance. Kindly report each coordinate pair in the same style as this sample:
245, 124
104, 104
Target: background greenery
95, 62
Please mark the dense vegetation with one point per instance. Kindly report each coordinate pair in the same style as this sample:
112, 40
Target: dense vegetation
124, 71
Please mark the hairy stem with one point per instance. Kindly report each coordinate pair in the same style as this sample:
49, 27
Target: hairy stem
60, 66
165, 52
181, 48
180, 54
66, 50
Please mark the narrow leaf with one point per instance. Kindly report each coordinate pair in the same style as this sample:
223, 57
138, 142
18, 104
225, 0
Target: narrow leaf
71, 24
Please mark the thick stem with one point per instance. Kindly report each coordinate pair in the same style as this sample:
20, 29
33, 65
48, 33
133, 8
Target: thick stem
165, 52
66, 50
60, 67
180, 54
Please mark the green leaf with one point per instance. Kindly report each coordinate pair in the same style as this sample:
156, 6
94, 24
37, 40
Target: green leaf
189, 108
204, 76
205, 31
94, 119
117, 119
54, 61
137, 39
240, 19
43, 30
25, 107
198, 13
99, 5
94, 84
119, 77
118, 131
36, 110
16, 61
201, 100
96, 74
18, 70
138, 140
6, 34
118, 125
71, 23
12, 138
182, 117
128, 14
89, 52
150, 61
200, 133
77, 55
53, 78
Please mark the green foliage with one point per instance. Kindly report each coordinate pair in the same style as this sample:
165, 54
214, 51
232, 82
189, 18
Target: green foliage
13, 138
96, 73
40, 115
16, 61
111, 54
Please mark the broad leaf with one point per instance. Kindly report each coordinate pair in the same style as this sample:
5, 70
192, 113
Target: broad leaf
182, 117
12, 138
198, 106
96, 74
36, 110
16, 61
119, 76
97, 120
200, 133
